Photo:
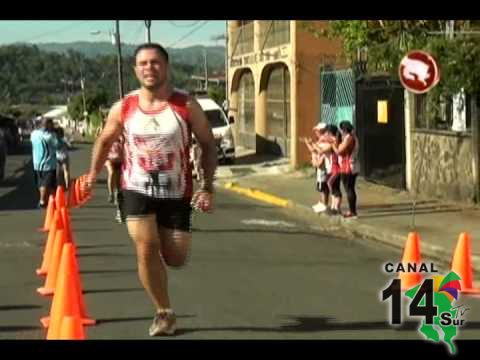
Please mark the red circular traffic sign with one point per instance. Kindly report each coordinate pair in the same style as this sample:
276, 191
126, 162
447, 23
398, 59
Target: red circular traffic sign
418, 72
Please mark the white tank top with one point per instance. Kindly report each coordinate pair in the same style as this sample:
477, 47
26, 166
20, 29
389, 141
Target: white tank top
157, 148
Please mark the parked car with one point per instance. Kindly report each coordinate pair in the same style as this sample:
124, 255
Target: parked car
221, 128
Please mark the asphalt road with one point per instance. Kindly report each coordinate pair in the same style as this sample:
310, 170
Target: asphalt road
255, 272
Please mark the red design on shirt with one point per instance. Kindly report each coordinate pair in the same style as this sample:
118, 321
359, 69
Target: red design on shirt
157, 145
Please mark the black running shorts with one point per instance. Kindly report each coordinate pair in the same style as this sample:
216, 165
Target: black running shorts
175, 214
46, 179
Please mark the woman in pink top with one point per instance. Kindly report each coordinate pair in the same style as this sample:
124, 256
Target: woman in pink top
347, 151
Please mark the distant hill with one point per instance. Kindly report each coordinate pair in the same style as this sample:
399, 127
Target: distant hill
192, 56
51, 73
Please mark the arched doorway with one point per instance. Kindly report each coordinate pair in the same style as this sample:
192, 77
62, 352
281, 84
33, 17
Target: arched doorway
246, 110
278, 110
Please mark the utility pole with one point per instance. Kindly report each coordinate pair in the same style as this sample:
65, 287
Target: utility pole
148, 24
119, 58
226, 65
82, 86
224, 37
206, 69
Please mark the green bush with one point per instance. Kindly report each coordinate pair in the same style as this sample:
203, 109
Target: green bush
217, 93
95, 121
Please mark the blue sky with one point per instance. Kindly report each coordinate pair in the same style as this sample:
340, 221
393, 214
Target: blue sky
167, 32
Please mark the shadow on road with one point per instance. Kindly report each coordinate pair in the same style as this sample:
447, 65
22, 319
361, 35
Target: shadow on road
98, 291
93, 229
86, 272
319, 324
149, 318
18, 328
86, 218
107, 206
105, 254
24, 196
101, 246
18, 307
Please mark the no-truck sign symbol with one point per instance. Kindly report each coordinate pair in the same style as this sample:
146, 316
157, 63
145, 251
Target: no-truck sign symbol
419, 72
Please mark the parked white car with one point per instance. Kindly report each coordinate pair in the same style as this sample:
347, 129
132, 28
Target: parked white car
221, 128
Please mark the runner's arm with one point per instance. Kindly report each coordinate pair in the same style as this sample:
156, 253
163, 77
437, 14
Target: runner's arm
203, 133
109, 134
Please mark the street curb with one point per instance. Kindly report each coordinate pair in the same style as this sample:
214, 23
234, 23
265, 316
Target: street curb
352, 228
258, 195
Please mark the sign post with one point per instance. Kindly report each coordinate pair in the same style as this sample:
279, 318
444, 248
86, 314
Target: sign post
418, 72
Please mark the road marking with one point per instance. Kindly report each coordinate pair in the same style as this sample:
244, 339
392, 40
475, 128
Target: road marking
259, 195
9, 245
268, 223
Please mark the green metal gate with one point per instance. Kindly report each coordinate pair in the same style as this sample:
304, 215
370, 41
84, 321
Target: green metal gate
337, 96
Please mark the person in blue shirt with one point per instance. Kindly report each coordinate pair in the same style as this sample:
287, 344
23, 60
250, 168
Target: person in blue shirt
44, 146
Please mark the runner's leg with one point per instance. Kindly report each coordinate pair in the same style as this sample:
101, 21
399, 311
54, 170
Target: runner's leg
151, 266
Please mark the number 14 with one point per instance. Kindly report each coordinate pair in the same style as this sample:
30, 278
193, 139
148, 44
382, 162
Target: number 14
429, 311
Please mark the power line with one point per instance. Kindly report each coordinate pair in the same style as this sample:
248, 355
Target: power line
137, 33
184, 26
188, 34
54, 32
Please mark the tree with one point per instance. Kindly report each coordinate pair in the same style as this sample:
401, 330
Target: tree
217, 93
94, 100
75, 107
388, 41
31, 75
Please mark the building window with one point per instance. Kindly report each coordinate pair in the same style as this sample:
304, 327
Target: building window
445, 113
278, 102
242, 38
246, 103
274, 33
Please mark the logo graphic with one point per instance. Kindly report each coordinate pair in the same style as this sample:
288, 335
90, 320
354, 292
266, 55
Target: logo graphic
434, 300
419, 72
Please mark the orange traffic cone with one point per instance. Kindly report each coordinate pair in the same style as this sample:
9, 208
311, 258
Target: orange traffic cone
462, 264
411, 255
52, 274
67, 225
47, 254
49, 214
85, 196
78, 193
71, 329
78, 284
65, 300
60, 197
71, 194
68, 268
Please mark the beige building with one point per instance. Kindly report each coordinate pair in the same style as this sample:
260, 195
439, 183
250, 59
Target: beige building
274, 83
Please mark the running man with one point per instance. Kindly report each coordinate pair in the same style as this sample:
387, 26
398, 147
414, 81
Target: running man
157, 122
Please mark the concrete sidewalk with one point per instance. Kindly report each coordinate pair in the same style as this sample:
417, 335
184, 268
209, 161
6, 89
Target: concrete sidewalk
385, 214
